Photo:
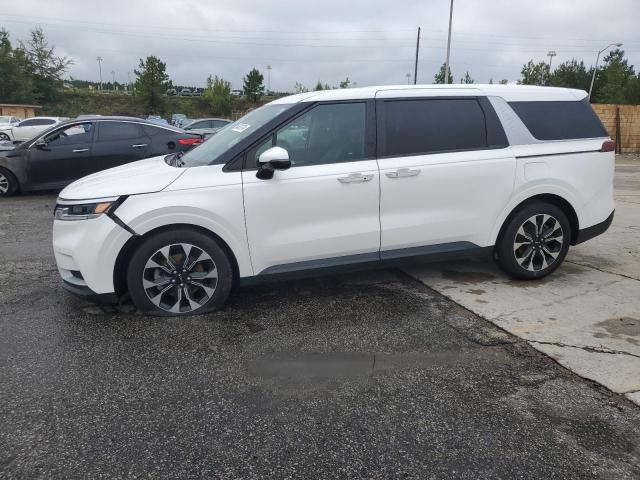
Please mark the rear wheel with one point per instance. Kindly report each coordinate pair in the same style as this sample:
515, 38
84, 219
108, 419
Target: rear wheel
4, 136
8, 183
179, 272
534, 242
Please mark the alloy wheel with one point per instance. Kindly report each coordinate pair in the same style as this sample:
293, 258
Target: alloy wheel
538, 242
180, 278
4, 184
4, 136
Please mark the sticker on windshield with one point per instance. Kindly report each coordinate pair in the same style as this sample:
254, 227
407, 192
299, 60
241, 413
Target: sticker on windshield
241, 127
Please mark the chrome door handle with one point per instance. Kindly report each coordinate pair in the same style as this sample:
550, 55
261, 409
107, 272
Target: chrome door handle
355, 178
403, 172
140, 145
80, 150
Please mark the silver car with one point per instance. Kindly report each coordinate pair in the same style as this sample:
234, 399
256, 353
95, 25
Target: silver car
207, 126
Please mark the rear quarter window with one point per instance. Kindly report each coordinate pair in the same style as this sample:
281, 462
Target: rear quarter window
560, 120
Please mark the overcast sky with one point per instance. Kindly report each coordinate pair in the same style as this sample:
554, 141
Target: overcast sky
372, 42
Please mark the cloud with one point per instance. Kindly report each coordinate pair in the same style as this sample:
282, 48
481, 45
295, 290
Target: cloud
372, 42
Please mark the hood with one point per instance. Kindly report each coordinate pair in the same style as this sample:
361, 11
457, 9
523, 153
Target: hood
145, 176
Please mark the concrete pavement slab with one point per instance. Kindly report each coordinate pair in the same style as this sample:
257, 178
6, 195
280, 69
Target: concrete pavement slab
586, 315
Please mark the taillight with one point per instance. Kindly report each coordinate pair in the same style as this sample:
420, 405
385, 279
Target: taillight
190, 141
608, 146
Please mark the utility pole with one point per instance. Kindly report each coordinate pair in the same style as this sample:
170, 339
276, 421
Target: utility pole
128, 81
550, 54
415, 70
113, 76
595, 69
408, 75
268, 79
446, 63
99, 59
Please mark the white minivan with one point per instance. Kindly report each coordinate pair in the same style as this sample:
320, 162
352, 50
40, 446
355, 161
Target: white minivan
329, 179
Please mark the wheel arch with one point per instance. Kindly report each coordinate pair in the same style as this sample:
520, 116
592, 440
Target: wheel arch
557, 200
122, 260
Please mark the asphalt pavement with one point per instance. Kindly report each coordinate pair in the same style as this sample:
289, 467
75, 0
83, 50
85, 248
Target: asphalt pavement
368, 375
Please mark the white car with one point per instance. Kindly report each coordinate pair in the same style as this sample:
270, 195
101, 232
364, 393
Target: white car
323, 180
28, 128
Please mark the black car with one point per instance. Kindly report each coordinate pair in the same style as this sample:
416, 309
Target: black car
73, 149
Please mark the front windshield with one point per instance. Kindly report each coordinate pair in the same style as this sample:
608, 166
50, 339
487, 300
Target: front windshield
226, 138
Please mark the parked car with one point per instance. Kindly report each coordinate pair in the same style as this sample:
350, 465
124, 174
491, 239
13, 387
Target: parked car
7, 121
172, 92
176, 118
157, 119
185, 92
207, 126
76, 148
237, 93
28, 128
384, 174
196, 93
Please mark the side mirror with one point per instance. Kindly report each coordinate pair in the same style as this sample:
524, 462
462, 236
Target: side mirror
272, 159
41, 144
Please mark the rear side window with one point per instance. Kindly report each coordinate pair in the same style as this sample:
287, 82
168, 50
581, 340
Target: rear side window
421, 126
561, 120
118, 131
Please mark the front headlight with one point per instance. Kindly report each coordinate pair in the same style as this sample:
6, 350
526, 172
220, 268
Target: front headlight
84, 211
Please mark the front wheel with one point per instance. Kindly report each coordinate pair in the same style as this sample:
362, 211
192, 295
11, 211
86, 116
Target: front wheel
4, 136
8, 183
179, 272
534, 242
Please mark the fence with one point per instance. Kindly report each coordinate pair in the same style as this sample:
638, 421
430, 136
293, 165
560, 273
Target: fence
623, 124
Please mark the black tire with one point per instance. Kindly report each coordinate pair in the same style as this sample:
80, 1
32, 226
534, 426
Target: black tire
4, 136
181, 278
8, 183
539, 248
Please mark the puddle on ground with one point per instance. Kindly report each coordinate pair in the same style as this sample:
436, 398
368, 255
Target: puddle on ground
476, 291
621, 326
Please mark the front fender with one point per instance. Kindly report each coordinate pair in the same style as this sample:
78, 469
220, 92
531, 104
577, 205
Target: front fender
218, 210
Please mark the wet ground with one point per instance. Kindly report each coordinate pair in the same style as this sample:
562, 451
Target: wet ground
369, 375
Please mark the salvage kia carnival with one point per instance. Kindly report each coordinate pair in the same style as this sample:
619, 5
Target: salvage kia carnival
338, 178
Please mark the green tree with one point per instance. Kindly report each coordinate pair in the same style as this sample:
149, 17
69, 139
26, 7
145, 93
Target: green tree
253, 86
151, 84
43, 66
218, 95
614, 77
319, 86
535, 73
571, 74
439, 77
300, 88
16, 86
467, 79
345, 83
504, 81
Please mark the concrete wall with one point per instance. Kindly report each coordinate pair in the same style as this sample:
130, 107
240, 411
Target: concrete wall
629, 140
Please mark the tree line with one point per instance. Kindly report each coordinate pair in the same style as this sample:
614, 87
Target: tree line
31, 72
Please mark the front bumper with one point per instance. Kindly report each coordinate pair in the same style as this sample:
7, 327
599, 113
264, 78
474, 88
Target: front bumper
86, 292
90, 247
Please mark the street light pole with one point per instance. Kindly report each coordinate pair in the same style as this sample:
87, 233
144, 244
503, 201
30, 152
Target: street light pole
113, 76
595, 69
446, 68
415, 68
268, 79
551, 54
99, 59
